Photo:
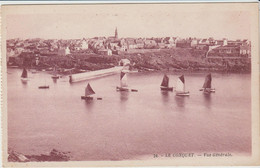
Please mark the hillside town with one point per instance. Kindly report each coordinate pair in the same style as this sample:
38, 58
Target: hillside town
85, 51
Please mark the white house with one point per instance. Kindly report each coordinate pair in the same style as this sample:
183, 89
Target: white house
67, 51
84, 45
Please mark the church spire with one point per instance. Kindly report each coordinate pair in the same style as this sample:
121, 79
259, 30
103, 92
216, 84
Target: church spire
116, 35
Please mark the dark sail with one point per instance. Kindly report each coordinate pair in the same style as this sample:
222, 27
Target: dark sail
89, 90
207, 83
182, 78
165, 81
24, 74
122, 75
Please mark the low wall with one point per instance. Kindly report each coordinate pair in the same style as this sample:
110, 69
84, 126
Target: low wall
94, 74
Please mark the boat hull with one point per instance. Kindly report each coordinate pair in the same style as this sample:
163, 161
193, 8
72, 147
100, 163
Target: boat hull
134, 90
122, 89
212, 90
86, 98
43, 87
166, 88
55, 77
182, 93
208, 90
24, 79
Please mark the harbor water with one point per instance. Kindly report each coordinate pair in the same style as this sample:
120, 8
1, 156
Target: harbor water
128, 125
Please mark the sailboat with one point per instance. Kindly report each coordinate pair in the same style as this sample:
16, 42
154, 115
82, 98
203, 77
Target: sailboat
88, 91
180, 87
123, 82
55, 76
207, 85
24, 76
165, 84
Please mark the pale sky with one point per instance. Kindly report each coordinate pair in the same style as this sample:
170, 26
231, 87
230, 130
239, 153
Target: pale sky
70, 22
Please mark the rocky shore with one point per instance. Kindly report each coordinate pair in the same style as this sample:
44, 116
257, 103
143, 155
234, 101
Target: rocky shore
54, 155
188, 60
178, 59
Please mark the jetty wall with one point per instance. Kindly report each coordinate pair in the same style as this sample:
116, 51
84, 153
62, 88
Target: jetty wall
94, 74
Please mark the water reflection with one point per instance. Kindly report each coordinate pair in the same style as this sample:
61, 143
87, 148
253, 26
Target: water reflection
165, 96
207, 100
89, 104
180, 101
129, 108
54, 80
24, 83
124, 96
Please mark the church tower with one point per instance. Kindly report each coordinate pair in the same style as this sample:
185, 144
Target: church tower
116, 35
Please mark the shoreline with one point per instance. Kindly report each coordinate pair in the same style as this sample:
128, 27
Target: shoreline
54, 155
178, 59
186, 71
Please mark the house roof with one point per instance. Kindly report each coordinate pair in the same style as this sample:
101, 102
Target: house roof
204, 40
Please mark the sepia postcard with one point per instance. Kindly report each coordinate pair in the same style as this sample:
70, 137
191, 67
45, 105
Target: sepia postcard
130, 84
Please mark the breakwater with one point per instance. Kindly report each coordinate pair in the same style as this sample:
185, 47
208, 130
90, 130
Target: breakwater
94, 74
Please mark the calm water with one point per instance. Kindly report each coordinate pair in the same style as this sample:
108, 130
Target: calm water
128, 125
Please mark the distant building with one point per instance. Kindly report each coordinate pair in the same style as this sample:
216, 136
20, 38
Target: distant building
84, 45
162, 45
149, 43
171, 40
221, 42
183, 43
204, 41
131, 44
245, 50
116, 34
225, 51
194, 43
67, 51
115, 37
202, 46
113, 45
139, 43
105, 52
